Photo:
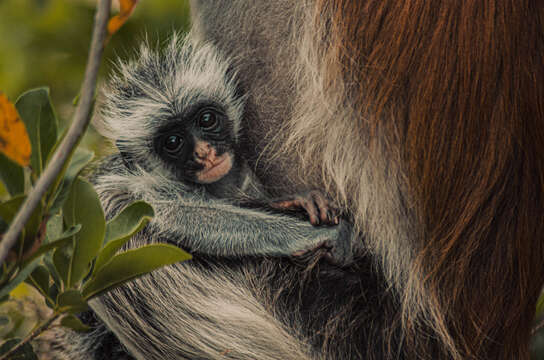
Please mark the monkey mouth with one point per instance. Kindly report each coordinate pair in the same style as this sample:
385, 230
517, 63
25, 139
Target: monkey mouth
214, 171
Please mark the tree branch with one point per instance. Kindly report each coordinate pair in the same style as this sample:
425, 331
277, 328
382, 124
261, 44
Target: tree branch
77, 129
537, 327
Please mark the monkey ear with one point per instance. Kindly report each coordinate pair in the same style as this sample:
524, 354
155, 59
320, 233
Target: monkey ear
128, 159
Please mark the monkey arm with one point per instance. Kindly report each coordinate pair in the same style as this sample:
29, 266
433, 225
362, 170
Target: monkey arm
216, 227
220, 229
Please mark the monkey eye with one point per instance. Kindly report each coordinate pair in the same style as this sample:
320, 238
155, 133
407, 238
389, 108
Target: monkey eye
207, 120
173, 144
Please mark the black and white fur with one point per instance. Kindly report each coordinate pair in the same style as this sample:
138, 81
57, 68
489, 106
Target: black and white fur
165, 91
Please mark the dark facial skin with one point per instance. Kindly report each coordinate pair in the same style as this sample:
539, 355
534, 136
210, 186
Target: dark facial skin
200, 149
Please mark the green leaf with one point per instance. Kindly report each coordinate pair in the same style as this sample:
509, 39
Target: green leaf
83, 207
53, 229
132, 218
72, 322
3, 226
540, 305
79, 160
65, 239
71, 302
19, 278
53, 293
49, 264
40, 279
12, 175
120, 229
36, 111
9, 209
24, 353
130, 264
61, 261
54, 233
71, 231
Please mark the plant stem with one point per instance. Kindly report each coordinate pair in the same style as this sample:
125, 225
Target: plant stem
37, 331
537, 327
76, 131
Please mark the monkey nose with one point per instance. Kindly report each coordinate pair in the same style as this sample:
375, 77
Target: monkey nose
202, 150
200, 154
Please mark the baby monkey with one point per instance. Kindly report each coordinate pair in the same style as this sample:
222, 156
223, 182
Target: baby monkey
176, 118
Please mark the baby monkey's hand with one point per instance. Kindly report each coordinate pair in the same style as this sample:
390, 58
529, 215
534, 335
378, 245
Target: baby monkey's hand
319, 208
336, 246
336, 249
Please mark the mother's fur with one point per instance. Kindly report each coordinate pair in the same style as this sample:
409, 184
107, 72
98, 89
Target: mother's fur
424, 120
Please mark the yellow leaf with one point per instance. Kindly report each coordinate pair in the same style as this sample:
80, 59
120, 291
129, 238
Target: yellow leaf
14, 141
22, 290
126, 8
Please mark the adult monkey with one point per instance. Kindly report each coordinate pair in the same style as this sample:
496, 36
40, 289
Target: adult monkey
426, 121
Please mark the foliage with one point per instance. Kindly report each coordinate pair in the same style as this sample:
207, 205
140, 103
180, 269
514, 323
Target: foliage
46, 42
67, 250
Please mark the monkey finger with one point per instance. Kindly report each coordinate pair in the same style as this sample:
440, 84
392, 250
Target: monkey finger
322, 204
282, 204
328, 211
333, 217
311, 209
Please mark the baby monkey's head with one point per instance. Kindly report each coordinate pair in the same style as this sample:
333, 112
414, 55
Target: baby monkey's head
177, 111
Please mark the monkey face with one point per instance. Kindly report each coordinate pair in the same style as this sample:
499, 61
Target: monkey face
198, 147
176, 112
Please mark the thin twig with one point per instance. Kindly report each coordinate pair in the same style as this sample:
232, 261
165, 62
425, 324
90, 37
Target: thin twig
76, 131
37, 331
537, 327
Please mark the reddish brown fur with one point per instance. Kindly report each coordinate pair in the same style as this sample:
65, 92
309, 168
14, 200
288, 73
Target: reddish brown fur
461, 83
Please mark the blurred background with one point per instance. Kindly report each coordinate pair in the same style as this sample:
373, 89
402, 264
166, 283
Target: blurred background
45, 43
